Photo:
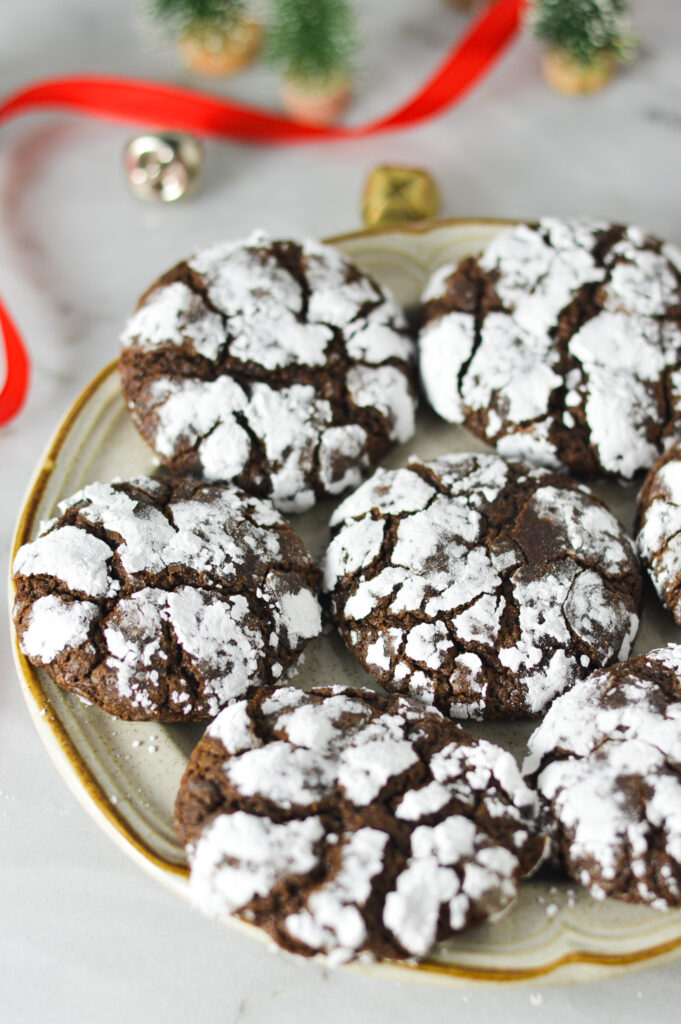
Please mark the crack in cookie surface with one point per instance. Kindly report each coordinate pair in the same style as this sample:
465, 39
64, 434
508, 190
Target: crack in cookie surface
484, 586
276, 364
349, 823
164, 599
568, 351
606, 761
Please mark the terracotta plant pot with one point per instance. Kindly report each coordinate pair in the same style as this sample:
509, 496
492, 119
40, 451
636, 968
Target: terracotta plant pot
572, 78
217, 54
314, 101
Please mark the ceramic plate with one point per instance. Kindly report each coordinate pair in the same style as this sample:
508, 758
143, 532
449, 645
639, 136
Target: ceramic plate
127, 774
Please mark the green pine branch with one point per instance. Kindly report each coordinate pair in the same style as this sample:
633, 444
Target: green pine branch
586, 29
312, 39
183, 16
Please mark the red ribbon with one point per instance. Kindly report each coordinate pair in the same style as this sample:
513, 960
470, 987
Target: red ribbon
13, 394
169, 106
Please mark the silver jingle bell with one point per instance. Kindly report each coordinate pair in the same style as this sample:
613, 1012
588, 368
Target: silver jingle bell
162, 168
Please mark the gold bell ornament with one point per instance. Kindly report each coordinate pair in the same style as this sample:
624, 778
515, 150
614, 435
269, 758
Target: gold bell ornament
397, 194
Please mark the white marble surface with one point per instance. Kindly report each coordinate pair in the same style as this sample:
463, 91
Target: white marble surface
84, 934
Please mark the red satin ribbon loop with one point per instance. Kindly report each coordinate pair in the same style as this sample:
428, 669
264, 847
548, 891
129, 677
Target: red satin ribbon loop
168, 106
15, 388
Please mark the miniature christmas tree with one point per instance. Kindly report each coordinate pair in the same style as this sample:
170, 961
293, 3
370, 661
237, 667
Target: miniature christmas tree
215, 37
313, 43
584, 39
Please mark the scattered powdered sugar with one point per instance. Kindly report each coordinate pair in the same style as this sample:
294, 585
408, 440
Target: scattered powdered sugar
556, 607
246, 308
237, 272
360, 762
508, 367
427, 643
132, 635
606, 761
484, 477
515, 355
332, 298
419, 588
291, 421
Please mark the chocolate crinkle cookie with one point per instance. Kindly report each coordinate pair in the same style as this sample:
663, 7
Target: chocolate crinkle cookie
275, 364
352, 824
164, 599
561, 344
607, 763
483, 586
658, 529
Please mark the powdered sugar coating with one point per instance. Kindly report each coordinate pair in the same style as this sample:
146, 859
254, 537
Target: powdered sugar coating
561, 343
484, 586
393, 787
242, 856
77, 559
607, 762
276, 364
431, 882
658, 529
55, 625
333, 922
196, 594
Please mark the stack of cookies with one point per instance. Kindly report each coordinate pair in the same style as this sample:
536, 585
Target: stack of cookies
267, 375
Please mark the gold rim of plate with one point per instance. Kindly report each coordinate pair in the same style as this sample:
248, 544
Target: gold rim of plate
82, 781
